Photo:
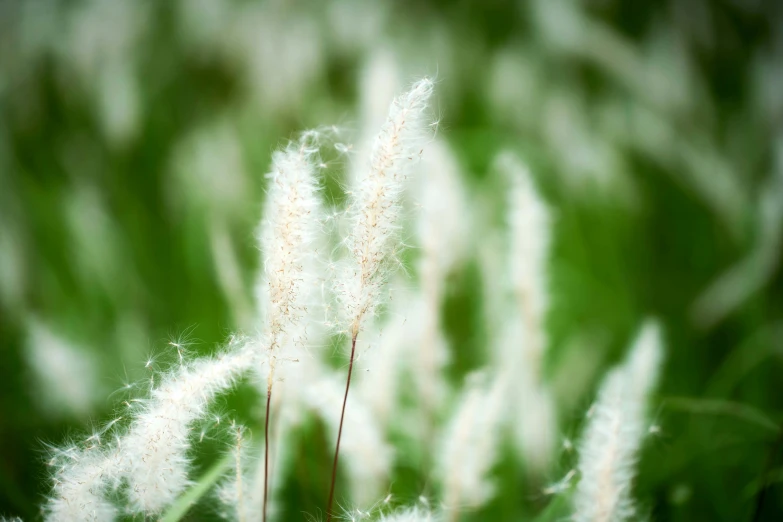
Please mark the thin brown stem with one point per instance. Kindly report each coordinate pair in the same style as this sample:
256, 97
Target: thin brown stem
266, 450
340, 432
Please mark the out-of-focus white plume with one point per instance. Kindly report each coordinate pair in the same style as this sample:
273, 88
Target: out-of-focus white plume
364, 450
610, 444
382, 351
469, 444
66, 374
522, 338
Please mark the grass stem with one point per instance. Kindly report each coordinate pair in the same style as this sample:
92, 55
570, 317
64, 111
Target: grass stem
266, 451
340, 432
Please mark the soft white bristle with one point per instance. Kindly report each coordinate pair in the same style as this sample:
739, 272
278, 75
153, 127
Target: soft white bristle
523, 338
55, 363
241, 497
469, 446
149, 460
289, 228
375, 205
80, 482
610, 445
444, 221
155, 457
379, 83
529, 238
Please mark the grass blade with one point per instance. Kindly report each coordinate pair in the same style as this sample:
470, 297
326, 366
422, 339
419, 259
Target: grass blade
198, 490
720, 407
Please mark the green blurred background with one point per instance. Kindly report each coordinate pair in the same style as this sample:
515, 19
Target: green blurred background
134, 138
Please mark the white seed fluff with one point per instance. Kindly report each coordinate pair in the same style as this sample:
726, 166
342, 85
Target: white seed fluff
80, 482
470, 442
523, 337
289, 227
529, 239
154, 456
610, 445
375, 205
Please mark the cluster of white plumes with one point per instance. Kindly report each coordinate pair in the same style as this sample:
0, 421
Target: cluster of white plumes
149, 461
146, 460
140, 463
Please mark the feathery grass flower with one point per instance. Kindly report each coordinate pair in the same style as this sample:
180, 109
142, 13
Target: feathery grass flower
374, 213
610, 445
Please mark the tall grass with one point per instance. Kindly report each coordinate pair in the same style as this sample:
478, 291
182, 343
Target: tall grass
432, 301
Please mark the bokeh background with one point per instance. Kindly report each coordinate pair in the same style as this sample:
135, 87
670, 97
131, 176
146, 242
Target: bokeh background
134, 138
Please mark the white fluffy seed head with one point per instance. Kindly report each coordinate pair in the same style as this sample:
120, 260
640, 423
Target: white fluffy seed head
81, 479
522, 340
529, 404
291, 222
529, 226
469, 447
238, 494
614, 433
155, 457
149, 460
375, 205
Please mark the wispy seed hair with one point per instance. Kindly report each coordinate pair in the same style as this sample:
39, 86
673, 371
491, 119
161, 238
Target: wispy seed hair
291, 222
375, 204
610, 445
